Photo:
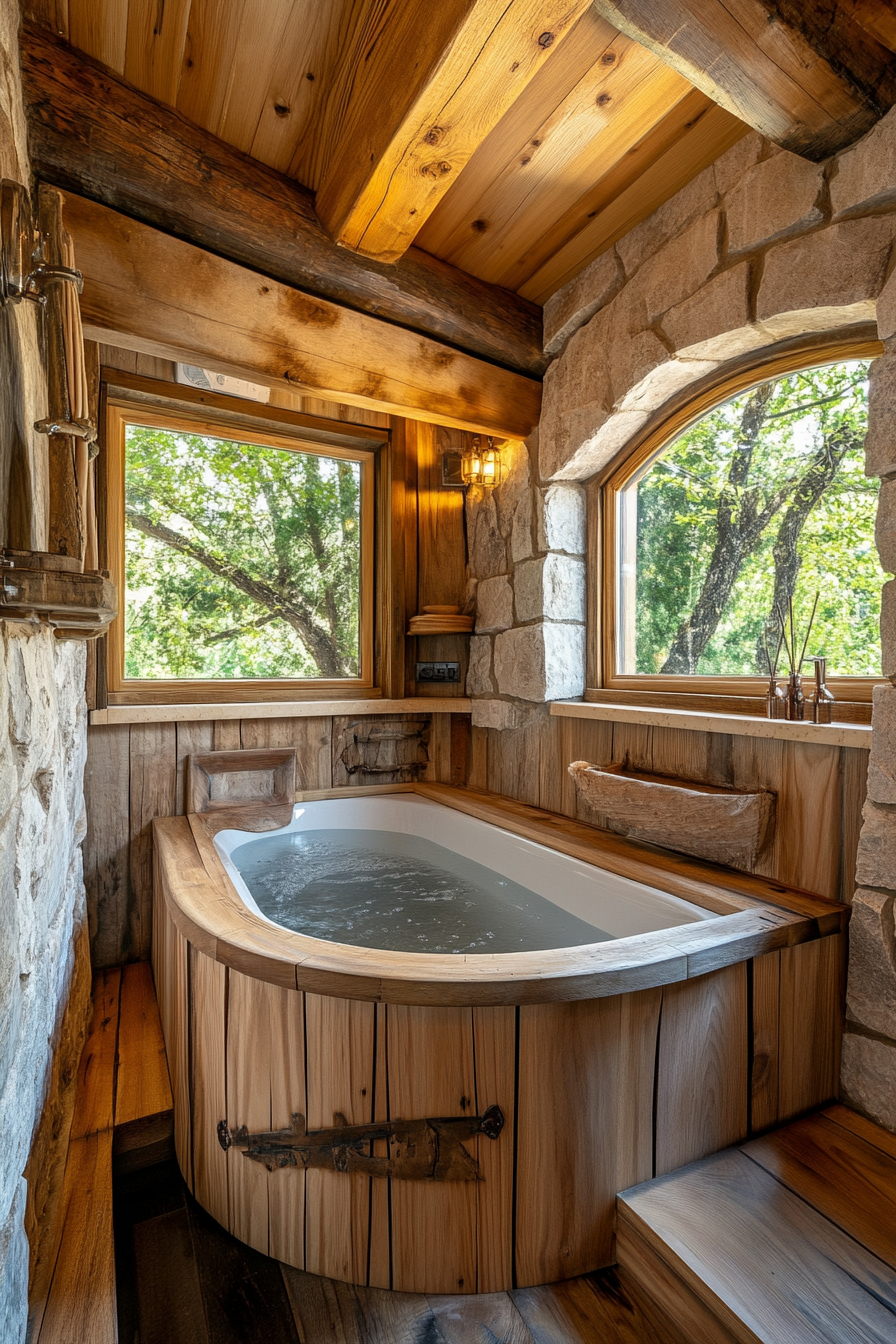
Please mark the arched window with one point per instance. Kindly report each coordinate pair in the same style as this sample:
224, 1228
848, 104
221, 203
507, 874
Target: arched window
758, 504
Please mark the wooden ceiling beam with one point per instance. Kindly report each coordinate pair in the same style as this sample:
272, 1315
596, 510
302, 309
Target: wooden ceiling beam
419, 88
91, 133
147, 291
807, 75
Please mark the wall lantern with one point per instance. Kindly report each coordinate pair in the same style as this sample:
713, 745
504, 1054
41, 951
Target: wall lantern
481, 465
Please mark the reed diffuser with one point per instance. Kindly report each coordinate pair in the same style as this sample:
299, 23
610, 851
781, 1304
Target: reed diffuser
794, 698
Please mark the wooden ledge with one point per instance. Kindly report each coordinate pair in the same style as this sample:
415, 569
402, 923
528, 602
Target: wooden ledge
738, 725
757, 916
279, 709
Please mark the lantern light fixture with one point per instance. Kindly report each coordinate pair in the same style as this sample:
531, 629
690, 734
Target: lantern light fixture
481, 464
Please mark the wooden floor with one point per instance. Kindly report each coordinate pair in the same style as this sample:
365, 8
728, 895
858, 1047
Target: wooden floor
791, 1237
183, 1280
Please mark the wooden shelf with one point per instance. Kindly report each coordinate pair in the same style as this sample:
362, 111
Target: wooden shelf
738, 725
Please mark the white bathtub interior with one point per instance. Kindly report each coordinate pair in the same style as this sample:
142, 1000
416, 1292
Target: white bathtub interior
616, 905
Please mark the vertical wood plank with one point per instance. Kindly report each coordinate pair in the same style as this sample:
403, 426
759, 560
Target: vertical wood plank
810, 1023
339, 1070
142, 1085
153, 770
568, 1103
226, 735
460, 749
95, 1095
248, 1074
701, 1091
208, 1009
853, 788
106, 853
380, 1263
178, 1048
764, 1069
191, 738
311, 738
431, 1073
633, 1128
286, 1192
397, 559
478, 776
494, 1038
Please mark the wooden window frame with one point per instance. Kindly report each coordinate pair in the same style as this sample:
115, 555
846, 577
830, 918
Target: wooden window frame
120, 410
741, 695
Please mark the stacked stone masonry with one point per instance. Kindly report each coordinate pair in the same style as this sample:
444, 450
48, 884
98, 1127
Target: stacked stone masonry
43, 739
760, 248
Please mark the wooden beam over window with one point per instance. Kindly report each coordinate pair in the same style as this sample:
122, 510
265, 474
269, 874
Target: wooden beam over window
91, 133
807, 75
419, 88
147, 291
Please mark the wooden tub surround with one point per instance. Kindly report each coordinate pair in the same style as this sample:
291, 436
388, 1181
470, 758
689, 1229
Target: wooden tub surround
462, 1124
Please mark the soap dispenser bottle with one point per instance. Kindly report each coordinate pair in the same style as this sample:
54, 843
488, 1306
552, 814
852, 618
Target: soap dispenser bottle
821, 700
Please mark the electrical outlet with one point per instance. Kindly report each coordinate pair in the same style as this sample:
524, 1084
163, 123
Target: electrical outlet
438, 672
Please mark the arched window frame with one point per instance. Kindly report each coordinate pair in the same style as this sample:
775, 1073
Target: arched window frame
736, 695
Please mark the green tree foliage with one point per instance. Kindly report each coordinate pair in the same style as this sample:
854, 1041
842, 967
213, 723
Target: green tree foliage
241, 561
763, 499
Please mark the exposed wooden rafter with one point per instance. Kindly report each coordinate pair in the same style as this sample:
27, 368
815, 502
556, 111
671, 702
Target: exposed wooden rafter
91, 133
400, 131
811, 77
145, 290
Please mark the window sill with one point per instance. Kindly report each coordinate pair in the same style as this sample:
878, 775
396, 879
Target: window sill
738, 725
277, 709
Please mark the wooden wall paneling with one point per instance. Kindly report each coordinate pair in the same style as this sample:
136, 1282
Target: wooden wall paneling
494, 1041
551, 766
286, 1190
564, 1215
806, 778
431, 1073
701, 1067
177, 1042
337, 1204
478, 776
853, 788
249, 1070
397, 558
106, 844
226, 735
312, 739
633, 1130
192, 738
461, 726
439, 768
514, 760
207, 1062
248, 60
810, 1023
153, 771
441, 564
380, 1260
582, 740
100, 27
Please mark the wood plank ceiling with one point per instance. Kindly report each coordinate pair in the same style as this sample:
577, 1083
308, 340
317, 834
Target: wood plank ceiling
602, 134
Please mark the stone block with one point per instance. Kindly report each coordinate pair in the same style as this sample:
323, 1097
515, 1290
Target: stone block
882, 760
488, 554
827, 279
865, 174
646, 238
868, 1078
560, 522
677, 270
871, 990
494, 605
667, 377
773, 198
880, 440
885, 526
479, 669
14, 1269
514, 485
521, 532
577, 302
541, 662
876, 859
886, 310
551, 588
731, 166
888, 627
597, 441
714, 323
498, 714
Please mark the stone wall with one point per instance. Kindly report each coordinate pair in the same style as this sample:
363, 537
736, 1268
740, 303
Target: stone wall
762, 247
42, 752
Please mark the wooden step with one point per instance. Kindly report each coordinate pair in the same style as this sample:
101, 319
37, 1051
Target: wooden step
791, 1237
122, 1120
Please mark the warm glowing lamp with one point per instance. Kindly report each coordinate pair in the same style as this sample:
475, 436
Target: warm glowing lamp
481, 466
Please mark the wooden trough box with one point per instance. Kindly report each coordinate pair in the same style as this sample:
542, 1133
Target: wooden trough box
725, 825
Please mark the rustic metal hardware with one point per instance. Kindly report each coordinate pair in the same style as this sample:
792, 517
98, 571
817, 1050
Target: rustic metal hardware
24, 271
419, 1150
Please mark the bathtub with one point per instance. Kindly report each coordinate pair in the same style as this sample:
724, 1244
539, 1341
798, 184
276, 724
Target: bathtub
461, 1122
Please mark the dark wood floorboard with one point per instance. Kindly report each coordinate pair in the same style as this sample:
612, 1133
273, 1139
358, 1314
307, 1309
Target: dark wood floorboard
602, 1308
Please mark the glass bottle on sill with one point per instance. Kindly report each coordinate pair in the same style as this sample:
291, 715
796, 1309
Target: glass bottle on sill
775, 700
796, 700
821, 699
